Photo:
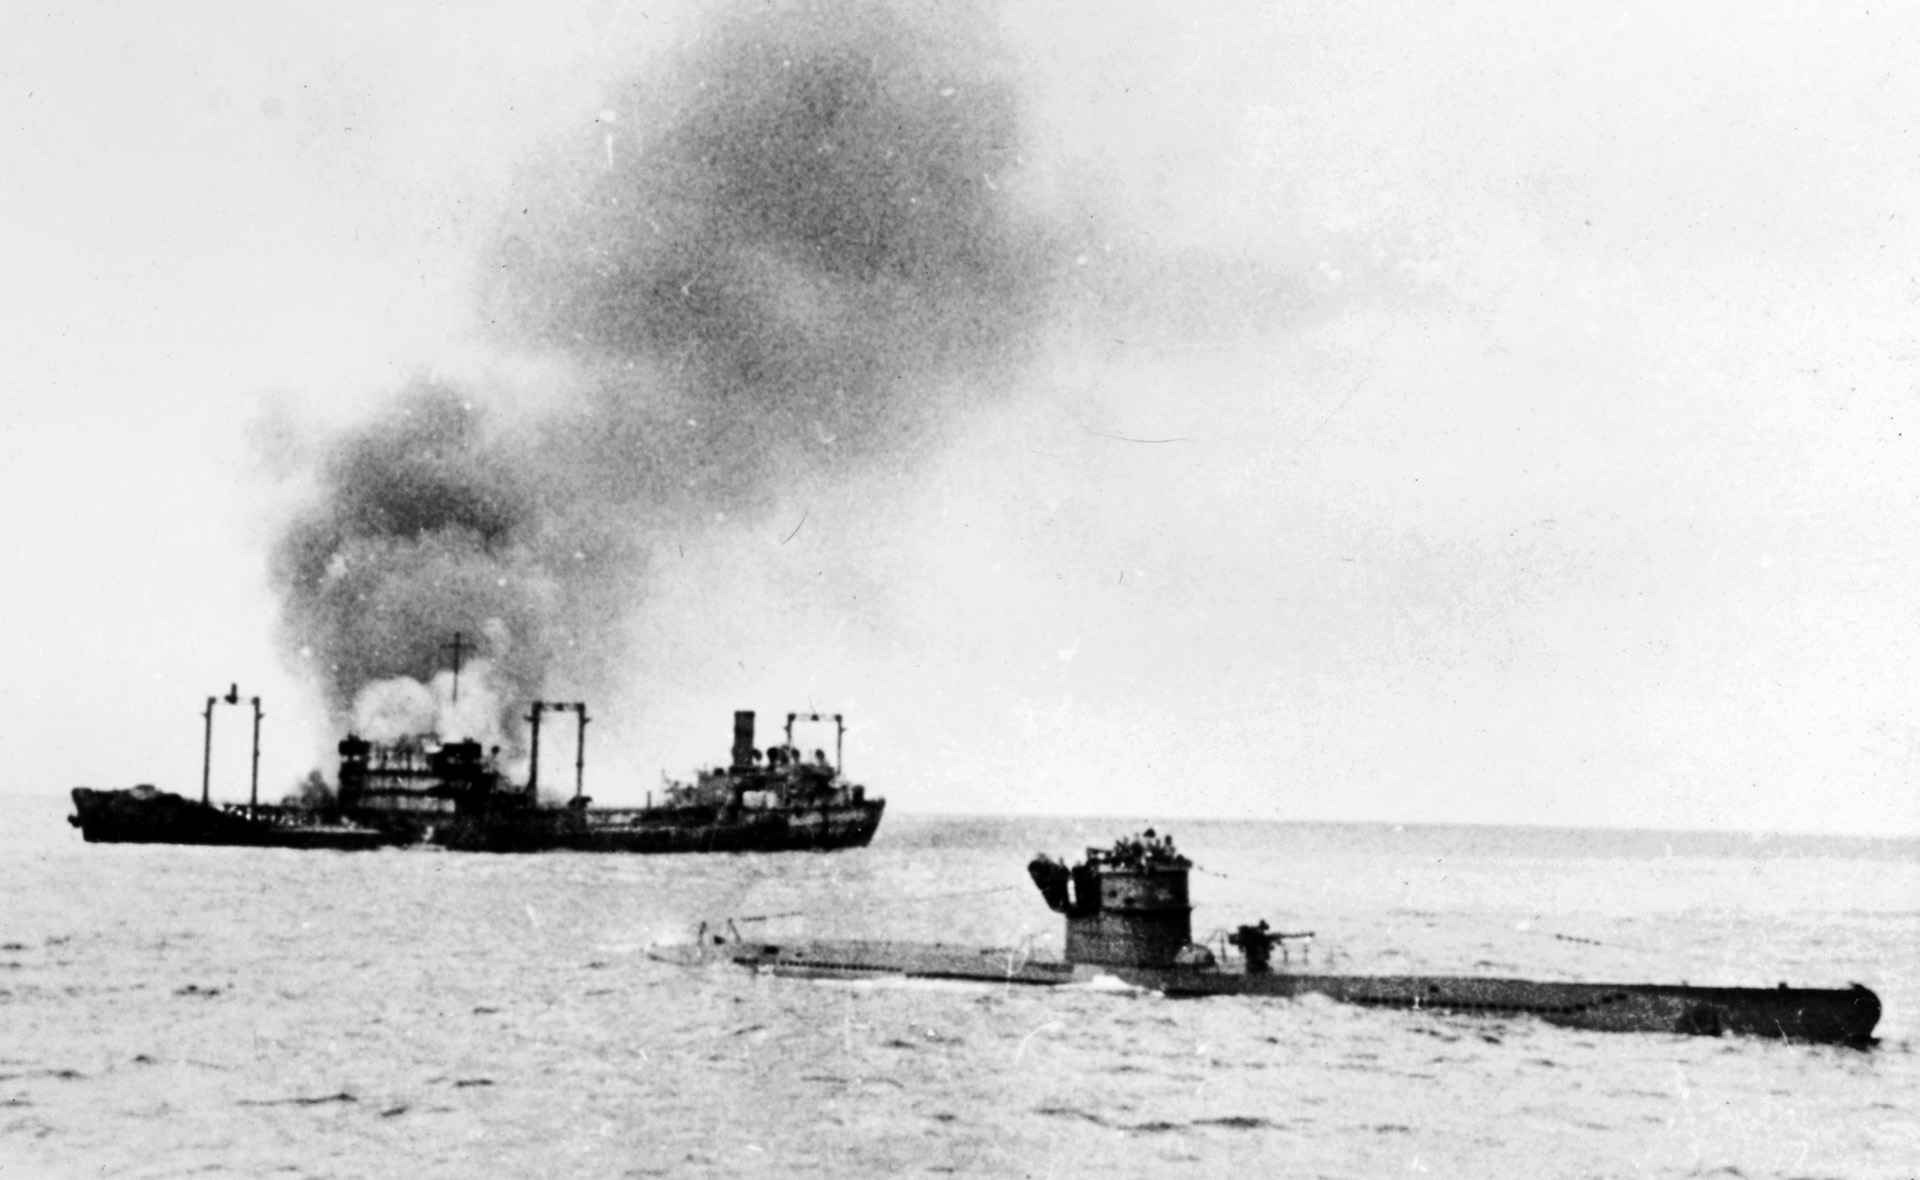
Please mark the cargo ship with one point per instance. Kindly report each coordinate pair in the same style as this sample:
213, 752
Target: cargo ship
1128, 919
453, 795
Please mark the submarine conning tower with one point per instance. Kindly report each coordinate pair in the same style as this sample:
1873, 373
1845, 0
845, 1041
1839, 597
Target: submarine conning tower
1126, 906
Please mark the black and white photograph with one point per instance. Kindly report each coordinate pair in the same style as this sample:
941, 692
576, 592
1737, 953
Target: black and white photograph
872, 588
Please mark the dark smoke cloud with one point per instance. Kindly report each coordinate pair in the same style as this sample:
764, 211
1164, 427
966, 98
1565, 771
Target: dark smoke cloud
427, 528
797, 247
788, 248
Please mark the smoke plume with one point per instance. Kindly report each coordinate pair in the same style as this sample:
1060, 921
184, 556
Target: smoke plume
796, 247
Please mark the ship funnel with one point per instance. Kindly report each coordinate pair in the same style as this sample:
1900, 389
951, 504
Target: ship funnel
742, 739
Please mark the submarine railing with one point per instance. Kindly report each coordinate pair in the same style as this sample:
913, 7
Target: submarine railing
881, 903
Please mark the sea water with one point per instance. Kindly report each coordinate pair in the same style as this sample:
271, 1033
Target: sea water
167, 1011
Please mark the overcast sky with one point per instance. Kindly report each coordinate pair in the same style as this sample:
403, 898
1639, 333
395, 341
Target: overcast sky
1489, 412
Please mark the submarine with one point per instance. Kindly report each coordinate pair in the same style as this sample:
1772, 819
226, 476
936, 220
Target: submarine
1128, 918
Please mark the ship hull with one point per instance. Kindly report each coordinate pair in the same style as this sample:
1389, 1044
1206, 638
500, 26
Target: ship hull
1822, 1015
157, 817
823, 829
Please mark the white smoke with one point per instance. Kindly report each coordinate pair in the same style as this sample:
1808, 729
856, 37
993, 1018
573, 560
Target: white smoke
446, 709
477, 713
388, 710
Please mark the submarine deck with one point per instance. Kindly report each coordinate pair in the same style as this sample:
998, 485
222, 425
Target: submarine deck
1827, 1015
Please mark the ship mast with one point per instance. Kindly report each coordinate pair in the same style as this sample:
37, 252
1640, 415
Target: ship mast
455, 646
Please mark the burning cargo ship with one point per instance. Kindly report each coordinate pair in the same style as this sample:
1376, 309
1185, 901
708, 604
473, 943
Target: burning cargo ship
453, 795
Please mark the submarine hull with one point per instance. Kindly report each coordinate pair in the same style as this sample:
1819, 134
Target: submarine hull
1825, 1015
1822, 1015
